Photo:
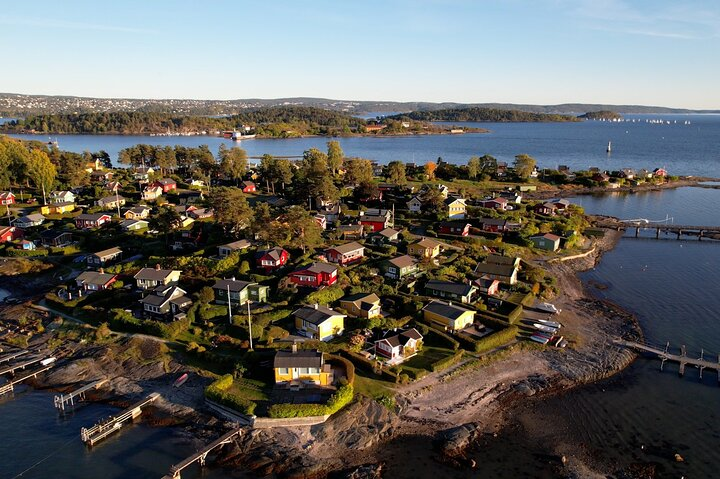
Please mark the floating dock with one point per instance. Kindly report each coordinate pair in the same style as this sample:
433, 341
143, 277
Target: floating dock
105, 428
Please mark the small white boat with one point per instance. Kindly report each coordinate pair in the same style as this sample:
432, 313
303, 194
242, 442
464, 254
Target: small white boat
552, 324
549, 307
545, 329
539, 339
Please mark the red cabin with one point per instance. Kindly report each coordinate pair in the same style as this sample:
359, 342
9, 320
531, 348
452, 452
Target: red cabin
9, 233
346, 254
7, 198
249, 187
455, 228
166, 184
272, 259
315, 275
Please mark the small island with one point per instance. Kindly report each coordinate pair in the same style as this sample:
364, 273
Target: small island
601, 115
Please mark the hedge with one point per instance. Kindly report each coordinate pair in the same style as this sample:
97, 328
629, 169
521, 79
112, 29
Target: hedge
16, 252
349, 366
342, 397
496, 339
445, 363
218, 392
434, 329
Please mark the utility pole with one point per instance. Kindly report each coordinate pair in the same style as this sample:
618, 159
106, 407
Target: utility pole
117, 198
230, 306
249, 325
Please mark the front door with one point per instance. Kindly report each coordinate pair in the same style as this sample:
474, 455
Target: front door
295, 374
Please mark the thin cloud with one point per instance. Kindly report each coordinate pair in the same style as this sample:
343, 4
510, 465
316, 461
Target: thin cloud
52, 23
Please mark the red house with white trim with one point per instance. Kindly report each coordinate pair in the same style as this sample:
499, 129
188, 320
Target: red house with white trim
9, 233
85, 220
272, 259
315, 275
7, 198
345, 254
167, 184
249, 187
455, 228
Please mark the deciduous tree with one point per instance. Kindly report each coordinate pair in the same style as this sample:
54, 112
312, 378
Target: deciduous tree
335, 156
396, 173
524, 166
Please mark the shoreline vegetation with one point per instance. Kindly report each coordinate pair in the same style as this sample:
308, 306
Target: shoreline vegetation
275, 122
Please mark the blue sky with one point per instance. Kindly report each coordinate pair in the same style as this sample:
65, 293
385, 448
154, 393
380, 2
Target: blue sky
647, 52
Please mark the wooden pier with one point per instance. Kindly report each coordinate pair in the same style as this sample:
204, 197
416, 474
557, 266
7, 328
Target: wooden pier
9, 386
103, 429
13, 355
10, 369
712, 232
682, 359
68, 400
201, 455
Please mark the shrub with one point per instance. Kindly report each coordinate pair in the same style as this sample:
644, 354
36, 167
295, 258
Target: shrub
342, 397
444, 337
496, 339
325, 296
26, 253
349, 366
445, 363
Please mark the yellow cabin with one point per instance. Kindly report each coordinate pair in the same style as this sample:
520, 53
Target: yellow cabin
302, 368
319, 322
425, 248
448, 315
57, 208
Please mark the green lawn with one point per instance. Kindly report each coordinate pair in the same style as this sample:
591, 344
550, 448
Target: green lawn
372, 388
252, 389
424, 359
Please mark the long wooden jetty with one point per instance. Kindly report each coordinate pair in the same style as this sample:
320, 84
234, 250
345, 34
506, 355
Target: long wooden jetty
678, 230
9, 386
11, 368
201, 455
10, 356
682, 359
103, 429
63, 401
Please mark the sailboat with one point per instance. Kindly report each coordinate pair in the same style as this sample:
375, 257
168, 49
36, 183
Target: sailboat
609, 147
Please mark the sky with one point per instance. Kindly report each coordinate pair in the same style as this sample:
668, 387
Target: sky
645, 52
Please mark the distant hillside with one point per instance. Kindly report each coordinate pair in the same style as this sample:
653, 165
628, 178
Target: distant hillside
276, 121
475, 114
16, 105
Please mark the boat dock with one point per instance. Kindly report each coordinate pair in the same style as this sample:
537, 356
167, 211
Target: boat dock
103, 429
9, 386
202, 454
68, 400
679, 230
11, 356
10, 369
682, 359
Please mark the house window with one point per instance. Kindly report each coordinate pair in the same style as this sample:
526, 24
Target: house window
303, 371
283, 371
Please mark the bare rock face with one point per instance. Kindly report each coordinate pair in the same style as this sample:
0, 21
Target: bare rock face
362, 425
366, 471
453, 442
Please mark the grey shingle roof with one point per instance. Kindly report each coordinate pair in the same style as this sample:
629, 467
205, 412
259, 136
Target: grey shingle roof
299, 359
315, 314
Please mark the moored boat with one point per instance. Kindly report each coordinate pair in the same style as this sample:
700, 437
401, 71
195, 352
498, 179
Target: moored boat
552, 324
181, 380
549, 307
545, 329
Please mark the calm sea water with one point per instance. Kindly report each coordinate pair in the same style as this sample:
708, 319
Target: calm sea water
692, 149
672, 286
38, 444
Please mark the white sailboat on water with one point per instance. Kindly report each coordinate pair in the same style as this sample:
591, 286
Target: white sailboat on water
609, 147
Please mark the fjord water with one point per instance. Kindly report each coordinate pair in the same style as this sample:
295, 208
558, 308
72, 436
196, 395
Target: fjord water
692, 149
37, 443
644, 415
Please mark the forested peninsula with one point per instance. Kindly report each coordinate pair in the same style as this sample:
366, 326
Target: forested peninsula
483, 115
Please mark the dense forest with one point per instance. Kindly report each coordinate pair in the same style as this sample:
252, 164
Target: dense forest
601, 115
275, 121
483, 115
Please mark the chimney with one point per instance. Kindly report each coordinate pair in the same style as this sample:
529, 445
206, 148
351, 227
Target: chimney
315, 306
102, 270
294, 347
157, 267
